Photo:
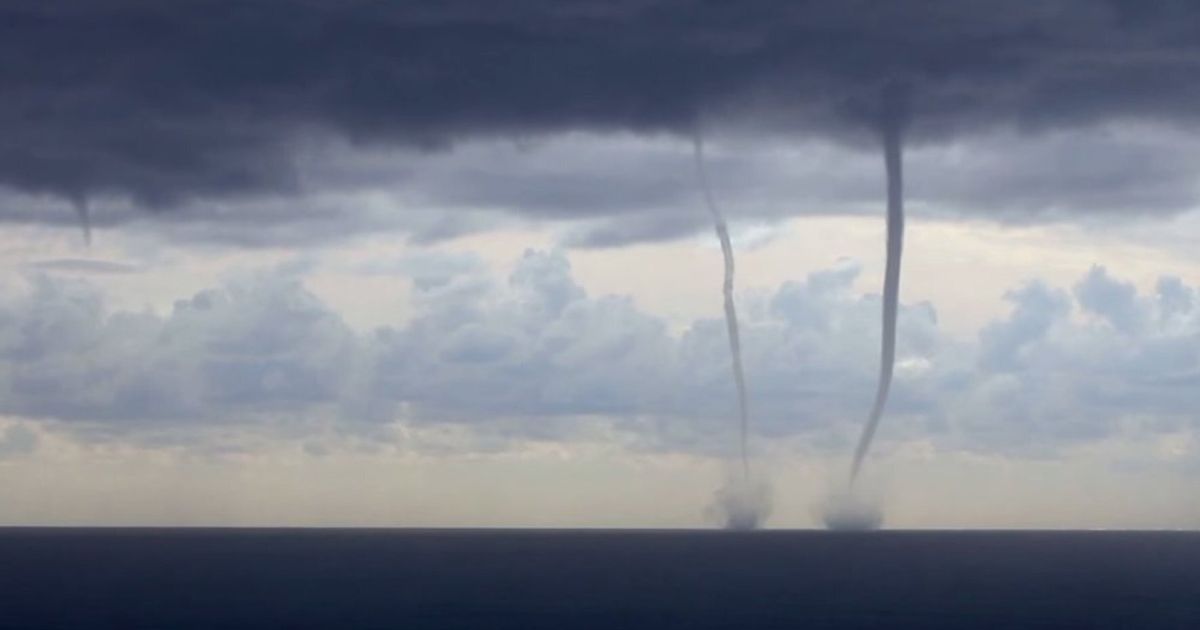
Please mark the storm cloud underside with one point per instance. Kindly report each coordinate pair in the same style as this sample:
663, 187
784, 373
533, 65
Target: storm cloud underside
162, 105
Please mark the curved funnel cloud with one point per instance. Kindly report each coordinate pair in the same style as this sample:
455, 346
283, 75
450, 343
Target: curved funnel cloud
731, 319
85, 218
893, 117
743, 502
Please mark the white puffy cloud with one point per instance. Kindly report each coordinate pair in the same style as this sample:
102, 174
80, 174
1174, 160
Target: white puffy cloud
1049, 375
257, 344
534, 355
535, 346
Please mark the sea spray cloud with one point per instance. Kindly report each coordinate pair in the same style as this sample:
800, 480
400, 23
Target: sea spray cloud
742, 503
851, 510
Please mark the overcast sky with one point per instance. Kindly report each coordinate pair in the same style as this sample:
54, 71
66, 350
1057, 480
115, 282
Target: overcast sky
447, 263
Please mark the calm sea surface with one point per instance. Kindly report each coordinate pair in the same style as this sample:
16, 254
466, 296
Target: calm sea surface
406, 579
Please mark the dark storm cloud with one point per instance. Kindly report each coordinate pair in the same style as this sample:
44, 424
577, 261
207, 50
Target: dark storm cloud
164, 103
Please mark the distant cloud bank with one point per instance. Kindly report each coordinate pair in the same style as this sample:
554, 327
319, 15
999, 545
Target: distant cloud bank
530, 354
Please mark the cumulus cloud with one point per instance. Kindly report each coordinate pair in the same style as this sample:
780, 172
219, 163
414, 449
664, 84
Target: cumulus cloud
1127, 357
533, 355
209, 108
254, 346
536, 345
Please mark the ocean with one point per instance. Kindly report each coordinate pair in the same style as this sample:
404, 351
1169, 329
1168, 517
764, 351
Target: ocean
582, 579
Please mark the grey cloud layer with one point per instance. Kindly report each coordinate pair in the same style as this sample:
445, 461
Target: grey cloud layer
613, 190
166, 103
534, 353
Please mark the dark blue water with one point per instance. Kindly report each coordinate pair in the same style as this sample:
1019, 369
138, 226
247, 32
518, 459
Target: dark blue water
216, 578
